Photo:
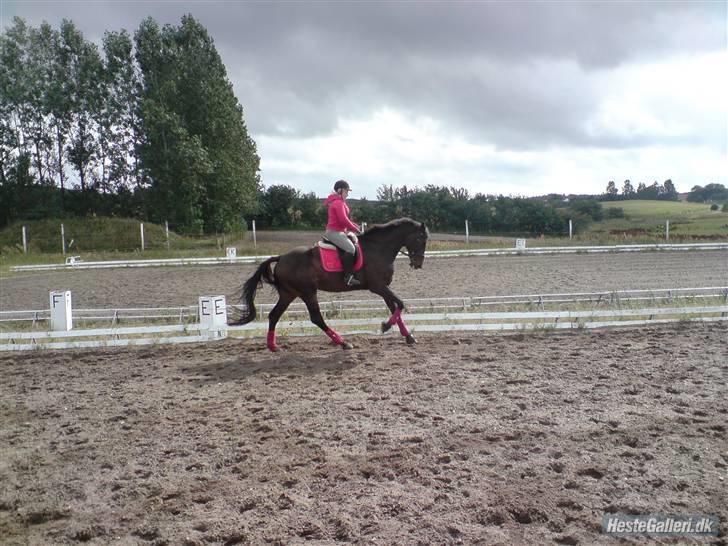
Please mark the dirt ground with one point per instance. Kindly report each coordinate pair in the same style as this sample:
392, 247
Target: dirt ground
475, 276
490, 439
463, 438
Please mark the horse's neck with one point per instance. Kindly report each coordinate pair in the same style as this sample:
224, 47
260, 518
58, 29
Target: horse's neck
389, 245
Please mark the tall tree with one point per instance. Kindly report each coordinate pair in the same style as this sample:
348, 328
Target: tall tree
85, 94
669, 192
627, 189
118, 116
187, 103
612, 191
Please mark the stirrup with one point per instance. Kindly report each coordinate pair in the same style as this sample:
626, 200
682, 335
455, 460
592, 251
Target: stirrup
352, 281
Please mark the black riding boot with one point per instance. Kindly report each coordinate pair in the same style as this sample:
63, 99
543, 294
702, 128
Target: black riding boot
348, 261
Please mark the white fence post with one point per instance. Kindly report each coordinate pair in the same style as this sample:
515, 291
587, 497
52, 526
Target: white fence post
63, 239
213, 316
467, 233
25, 241
255, 242
166, 232
141, 230
667, 230
61, 316
571, 229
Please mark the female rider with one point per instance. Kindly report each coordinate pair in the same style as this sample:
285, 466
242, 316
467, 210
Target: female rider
337, 226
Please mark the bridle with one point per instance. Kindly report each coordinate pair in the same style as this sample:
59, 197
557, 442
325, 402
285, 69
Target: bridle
412, 256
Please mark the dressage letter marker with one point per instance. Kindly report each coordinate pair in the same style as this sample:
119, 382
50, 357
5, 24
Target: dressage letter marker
213, 315
61, 317
231, 252
520, 244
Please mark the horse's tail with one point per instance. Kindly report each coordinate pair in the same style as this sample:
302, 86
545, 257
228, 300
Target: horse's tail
264, 273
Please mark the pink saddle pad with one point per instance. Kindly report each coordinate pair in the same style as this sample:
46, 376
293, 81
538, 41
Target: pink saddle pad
330, 259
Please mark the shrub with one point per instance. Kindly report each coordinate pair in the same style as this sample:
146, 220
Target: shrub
615, 212
714, 206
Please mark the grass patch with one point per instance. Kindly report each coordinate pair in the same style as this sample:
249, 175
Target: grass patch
646, 219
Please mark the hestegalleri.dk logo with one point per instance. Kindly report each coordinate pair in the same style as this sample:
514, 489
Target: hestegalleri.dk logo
659, 525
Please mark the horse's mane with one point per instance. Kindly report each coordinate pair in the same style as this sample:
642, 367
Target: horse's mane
378, 230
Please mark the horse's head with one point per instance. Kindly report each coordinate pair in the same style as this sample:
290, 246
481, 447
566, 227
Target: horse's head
415, 244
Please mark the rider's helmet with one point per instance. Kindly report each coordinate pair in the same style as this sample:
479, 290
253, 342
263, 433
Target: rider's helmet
341, 185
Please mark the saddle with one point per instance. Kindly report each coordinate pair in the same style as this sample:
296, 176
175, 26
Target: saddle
329, 253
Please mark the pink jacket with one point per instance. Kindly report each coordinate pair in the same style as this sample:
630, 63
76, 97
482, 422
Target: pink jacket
339, 214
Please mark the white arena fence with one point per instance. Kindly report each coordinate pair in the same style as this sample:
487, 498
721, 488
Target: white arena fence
446, 321
330, 309
77, 263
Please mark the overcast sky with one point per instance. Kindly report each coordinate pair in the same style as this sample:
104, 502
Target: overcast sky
521, 98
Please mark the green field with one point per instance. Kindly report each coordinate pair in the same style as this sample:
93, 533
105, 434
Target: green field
647, 219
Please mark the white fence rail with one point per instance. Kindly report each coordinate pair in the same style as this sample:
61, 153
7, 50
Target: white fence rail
80, 264
189, 314
125, 336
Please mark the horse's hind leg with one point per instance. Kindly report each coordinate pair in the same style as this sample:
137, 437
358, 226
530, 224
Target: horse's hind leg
314, 312
284, 300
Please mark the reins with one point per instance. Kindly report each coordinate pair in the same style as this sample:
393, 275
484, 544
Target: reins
410, 256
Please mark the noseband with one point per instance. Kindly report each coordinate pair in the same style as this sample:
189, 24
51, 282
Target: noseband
411, 256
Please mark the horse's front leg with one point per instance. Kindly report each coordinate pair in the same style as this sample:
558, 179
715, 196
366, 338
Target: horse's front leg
396, 306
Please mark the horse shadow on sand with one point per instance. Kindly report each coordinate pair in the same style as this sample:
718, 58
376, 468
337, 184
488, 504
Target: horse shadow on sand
282, 363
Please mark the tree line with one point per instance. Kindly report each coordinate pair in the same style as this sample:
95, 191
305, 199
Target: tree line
662, 192
442, 208
146, 126
711, 193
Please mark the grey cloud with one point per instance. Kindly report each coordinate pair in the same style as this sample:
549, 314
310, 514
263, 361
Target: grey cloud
516, 74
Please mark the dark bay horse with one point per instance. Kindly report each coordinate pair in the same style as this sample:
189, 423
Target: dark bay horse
299, 274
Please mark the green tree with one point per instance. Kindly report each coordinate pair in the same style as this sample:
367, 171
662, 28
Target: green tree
85, 90
668, 191
310, 208
709, 193
25, 54
385, 193
612, 191
117, 118
187, 105
278, 205
588, 207
628, 190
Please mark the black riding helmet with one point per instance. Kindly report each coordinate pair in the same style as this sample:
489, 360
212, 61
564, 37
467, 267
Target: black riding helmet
341, 185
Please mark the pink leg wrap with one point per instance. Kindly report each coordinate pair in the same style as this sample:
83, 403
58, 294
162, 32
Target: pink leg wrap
395, 318
335, 337
272, 340
402, 327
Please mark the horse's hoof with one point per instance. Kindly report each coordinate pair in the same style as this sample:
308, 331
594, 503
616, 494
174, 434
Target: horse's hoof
386, 326
410, 340
347, 346
273, 349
